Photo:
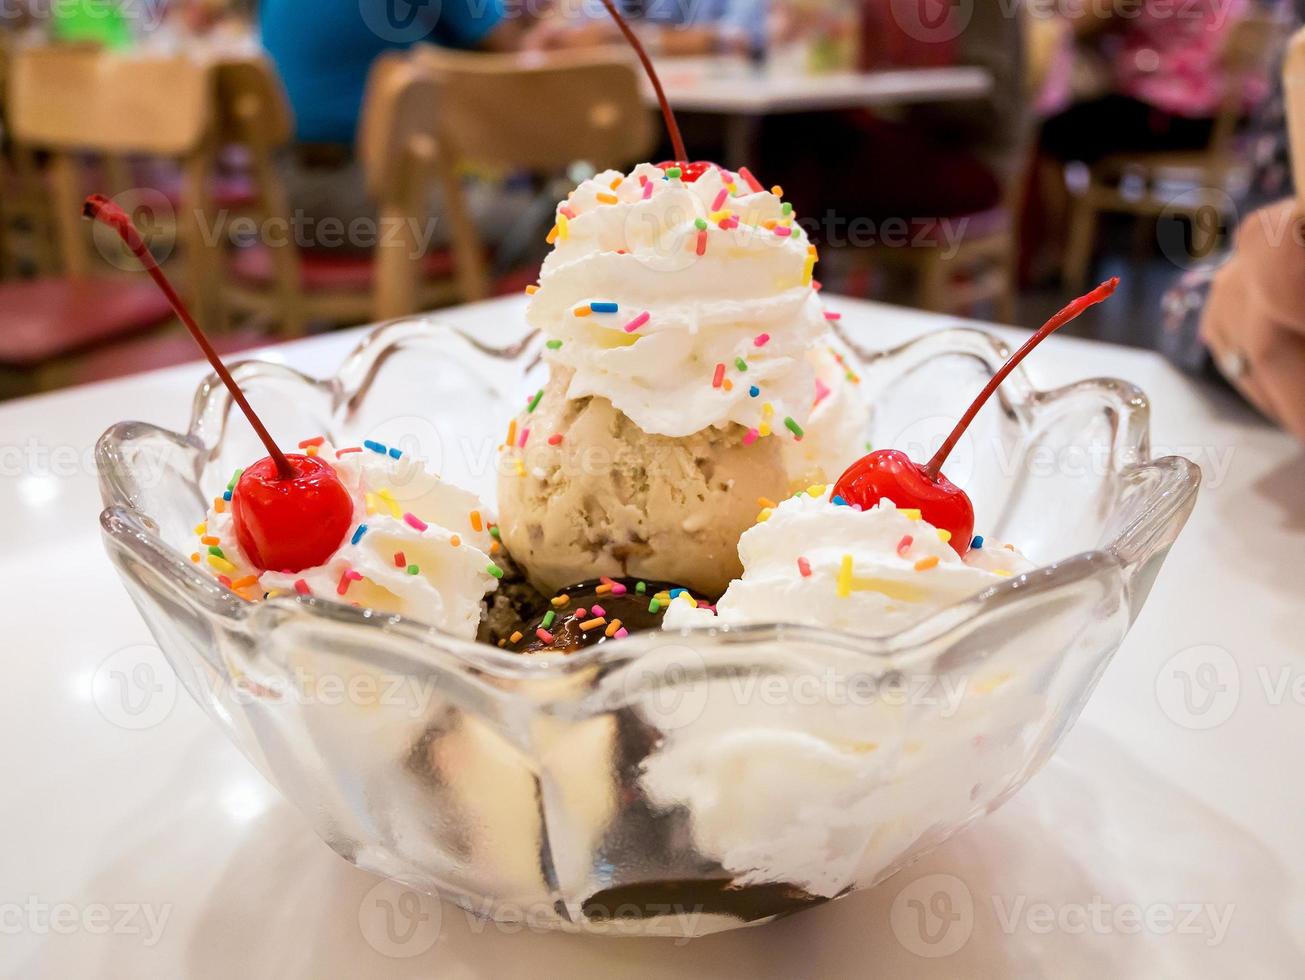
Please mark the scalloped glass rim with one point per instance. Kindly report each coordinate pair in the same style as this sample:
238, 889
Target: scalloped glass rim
1177, 480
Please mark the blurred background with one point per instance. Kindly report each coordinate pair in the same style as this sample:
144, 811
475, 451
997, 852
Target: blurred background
303, 165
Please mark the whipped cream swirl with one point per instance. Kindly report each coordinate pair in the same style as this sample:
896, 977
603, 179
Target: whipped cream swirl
872, 572
417, 546
687, 305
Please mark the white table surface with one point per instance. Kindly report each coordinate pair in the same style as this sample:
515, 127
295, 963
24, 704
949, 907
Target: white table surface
1150, 846
731, 86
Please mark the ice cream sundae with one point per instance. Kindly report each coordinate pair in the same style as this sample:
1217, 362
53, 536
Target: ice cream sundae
689, 460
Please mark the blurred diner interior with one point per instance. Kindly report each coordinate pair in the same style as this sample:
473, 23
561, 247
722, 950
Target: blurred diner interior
305, 165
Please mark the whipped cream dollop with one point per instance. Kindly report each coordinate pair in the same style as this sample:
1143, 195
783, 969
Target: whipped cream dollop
689, 305
417, 546
873, 572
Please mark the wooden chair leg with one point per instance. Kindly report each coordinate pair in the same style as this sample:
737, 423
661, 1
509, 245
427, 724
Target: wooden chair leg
1145, 230
70, 230
291, 305
468, 254
931, 282
398, 266
8, 265
1082, 236
196, 226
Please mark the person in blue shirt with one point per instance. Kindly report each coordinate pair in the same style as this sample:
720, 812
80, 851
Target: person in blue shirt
323, 49
683, 27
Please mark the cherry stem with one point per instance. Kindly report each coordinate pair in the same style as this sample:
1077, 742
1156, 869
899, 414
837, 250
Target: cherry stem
672, 127
1067, 313
101, 209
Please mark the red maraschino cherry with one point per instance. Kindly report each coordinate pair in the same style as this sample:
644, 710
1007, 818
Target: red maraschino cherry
290, 512
891, 474
689, 172
287, 525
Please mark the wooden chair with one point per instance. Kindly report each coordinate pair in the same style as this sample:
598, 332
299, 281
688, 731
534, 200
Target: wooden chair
294, 287
538, 113
67, 103
1142, 184
26, 244
426, 117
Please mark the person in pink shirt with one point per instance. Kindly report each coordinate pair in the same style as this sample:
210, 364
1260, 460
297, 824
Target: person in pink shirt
1165, 77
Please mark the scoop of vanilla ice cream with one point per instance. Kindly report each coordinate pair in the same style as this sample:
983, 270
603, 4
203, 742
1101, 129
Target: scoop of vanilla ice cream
590, 493
873, 572
417, 546
688, 349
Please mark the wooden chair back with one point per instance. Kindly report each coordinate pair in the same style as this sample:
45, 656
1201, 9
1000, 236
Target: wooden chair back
253, 112
251, 106
72, 100
540, 112
82, 99
533, 112
1249, 50
398, 148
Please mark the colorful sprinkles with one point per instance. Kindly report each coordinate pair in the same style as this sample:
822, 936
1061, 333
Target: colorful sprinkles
637, 322
844, 586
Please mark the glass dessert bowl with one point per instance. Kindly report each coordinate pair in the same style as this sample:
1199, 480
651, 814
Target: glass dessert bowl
666, 783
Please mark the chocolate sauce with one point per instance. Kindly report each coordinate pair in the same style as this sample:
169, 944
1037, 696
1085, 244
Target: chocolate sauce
576, 625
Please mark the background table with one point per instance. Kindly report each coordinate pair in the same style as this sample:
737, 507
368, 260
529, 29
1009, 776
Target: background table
1164, 838
743, 93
